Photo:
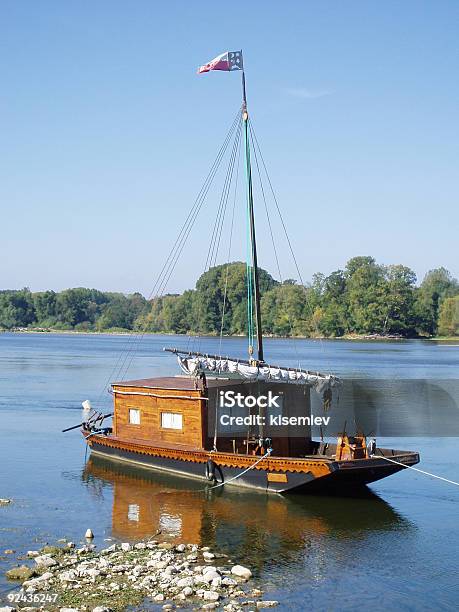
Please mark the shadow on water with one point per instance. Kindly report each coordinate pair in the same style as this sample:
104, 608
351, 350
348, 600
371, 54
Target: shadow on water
252, 525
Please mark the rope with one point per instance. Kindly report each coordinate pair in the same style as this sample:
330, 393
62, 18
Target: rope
220, 484
417, 470
229, 249
177, 249
307, 301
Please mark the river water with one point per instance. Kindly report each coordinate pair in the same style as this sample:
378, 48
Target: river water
399, 548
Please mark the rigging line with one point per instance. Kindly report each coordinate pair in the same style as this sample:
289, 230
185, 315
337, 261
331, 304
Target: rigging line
209, 178
236, 148
288, 240
272, 240
181, 240
169, 267
220, 217
201, 194
229, 247
213, 248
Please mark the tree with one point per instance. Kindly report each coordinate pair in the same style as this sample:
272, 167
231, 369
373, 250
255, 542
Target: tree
438, 284
16, 309
448, 321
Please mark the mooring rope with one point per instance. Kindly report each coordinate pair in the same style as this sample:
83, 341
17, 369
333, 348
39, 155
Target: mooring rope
220, 484
417, 470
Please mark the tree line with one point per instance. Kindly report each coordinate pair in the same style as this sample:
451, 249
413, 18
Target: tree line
364, 298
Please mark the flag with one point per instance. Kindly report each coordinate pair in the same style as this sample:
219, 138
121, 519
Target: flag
230, 60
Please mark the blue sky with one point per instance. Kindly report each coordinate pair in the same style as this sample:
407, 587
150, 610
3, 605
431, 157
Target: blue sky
107, 134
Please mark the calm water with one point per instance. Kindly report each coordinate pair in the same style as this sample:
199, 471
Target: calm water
399, 549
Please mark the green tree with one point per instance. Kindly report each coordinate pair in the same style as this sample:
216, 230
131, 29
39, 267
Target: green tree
438, 284
16, 309
448, 321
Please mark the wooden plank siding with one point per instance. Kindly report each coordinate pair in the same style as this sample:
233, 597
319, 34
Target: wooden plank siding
150, 407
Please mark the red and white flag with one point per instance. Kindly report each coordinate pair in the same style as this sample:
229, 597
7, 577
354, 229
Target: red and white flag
230, 60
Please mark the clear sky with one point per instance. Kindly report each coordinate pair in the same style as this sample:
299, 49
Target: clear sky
107, 133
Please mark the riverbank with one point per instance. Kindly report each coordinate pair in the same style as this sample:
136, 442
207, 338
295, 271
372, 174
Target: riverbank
124, 575
127, 332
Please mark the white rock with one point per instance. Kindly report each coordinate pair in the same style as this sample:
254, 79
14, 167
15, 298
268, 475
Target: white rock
45, 561
101, 609
210, 576
208, 568
187, 591
185, 582
70, 545
267, 604
126, 547
159, 597
208, 556
68, 609
241, 571
69, 576
89, 534
7, 609
33, 553
227, 581
140, 546
180, 548
211, 596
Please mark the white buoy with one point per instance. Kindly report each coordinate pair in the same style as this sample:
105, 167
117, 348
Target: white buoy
89, 534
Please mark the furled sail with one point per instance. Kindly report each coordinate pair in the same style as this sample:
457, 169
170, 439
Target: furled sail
193, 365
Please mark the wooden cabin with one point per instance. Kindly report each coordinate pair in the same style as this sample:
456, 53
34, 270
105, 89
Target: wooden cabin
180, 412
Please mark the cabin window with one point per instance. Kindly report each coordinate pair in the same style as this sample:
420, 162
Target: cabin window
134, 416
171, 420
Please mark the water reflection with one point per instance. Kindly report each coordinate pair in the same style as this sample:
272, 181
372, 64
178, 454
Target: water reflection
254, 526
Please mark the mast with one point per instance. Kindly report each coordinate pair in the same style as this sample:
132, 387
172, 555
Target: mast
253, 243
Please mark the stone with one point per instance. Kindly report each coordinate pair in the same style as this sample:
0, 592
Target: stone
3, 502
211, 596
209, 606
267, 604
32, 553
45, 561
8, 551
159, 597
68, 609
241, 572
7, 609
210, 576
70, 544
208, 568
51, 550
89, 534
208, 556
126, 547
140, 546
180, 548
101, 609
227, 581
20, 573
256, 593
187, 591
185, 582
166, 546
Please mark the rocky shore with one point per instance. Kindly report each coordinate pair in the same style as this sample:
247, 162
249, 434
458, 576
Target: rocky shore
149, 574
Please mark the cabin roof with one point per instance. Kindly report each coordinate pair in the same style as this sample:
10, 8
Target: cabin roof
182, 383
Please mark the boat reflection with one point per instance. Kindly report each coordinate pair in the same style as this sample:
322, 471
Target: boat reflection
252, 525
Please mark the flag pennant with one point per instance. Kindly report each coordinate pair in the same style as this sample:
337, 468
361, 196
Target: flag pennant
230, 60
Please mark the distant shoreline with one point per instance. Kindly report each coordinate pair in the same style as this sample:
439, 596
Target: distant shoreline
349, 337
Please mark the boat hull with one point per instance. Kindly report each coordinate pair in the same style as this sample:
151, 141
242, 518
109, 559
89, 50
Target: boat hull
274, 475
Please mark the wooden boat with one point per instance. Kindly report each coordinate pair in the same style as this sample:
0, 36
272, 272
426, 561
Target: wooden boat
174, 423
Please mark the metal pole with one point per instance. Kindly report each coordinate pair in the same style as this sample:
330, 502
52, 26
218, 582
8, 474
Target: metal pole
253, 242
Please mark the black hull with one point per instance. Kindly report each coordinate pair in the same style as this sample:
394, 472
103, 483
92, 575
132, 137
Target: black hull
345, 478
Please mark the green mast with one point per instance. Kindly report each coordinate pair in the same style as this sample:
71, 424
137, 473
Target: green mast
253, 288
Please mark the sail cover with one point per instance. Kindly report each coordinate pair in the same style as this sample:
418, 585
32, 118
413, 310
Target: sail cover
234, 369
